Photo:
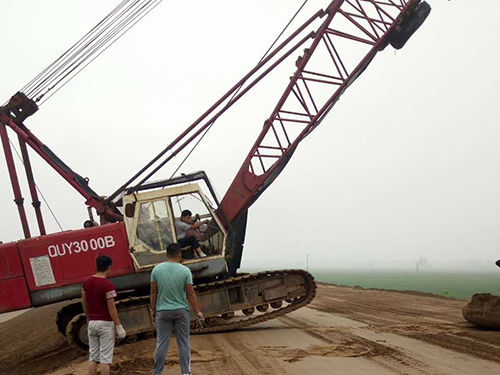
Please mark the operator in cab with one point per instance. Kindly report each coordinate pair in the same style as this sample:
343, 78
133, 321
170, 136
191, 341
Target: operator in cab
187, 223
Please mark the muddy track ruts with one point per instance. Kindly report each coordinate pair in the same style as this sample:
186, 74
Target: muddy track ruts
384, 355
460, 344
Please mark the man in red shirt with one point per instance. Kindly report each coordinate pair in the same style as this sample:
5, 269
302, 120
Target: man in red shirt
98, 301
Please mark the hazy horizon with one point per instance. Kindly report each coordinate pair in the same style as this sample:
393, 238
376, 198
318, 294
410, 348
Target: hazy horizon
459, 266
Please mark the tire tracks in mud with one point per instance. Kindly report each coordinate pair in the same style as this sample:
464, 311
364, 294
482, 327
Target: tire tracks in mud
458, 338
402, 365
357, 316
319, 334
443, 332
381, 354
390, 311
460, 344
242, 359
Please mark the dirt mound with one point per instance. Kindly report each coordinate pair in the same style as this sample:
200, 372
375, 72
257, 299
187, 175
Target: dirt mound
483, 310
485, 302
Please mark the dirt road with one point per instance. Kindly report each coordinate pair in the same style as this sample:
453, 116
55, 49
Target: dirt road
344, 331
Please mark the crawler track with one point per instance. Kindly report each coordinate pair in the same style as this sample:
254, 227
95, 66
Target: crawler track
248, 321
76, 328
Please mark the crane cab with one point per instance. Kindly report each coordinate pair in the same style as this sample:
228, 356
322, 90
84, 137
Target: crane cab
152, 221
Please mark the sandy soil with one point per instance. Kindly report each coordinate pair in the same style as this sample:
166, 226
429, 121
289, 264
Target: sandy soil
8, 316
344, 331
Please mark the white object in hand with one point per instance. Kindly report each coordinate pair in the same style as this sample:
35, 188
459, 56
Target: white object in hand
120, 331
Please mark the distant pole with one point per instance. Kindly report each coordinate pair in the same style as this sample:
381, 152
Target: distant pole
307, 262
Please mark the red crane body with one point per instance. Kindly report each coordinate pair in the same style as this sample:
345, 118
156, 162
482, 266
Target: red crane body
50, 268
72, 259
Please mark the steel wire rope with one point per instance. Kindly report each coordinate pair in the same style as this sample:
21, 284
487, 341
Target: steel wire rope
138, 18
46, 71
93, 45
41, 75
81, 53
229, 103
38, 189
27, 86
44, 82
141, 16
76, 52
89, 49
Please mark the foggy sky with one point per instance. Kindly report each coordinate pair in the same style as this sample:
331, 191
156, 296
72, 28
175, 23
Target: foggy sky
404, 166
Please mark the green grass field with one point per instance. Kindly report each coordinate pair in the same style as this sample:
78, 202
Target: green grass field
456, 285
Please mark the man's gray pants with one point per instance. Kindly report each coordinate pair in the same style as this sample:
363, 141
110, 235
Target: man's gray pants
165, 321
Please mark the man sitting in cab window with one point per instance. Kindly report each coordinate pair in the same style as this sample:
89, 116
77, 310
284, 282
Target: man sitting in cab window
185, 223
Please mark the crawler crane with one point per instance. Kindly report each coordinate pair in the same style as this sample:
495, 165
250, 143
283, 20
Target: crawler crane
328, 53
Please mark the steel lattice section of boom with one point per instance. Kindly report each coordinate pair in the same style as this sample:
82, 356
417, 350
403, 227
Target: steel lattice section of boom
344, 45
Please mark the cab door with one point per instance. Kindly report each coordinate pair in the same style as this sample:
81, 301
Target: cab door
150, 229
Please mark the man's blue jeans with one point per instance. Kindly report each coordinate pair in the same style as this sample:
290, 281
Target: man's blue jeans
165, 321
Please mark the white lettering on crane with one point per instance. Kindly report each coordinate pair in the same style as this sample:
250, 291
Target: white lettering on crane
76, 247
101, 243
52, 251
110, 241
84, 245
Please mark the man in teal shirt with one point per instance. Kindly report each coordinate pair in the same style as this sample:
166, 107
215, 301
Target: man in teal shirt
171, 289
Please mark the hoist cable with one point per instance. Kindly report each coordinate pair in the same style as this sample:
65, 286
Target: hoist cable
90, 48
101, 52
46, 71
77, 48
96, 41
56, 65
117, 33
120, 20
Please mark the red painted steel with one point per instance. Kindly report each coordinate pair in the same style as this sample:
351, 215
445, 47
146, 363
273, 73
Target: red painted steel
225, 97
14, 295
365, 23
67, 258
351, 27
31, 183
72, 254
350, 36
14, 180
27, 136
13, 289
10, 261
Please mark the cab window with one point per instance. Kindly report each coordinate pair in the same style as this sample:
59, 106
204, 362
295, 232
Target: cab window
153, 226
